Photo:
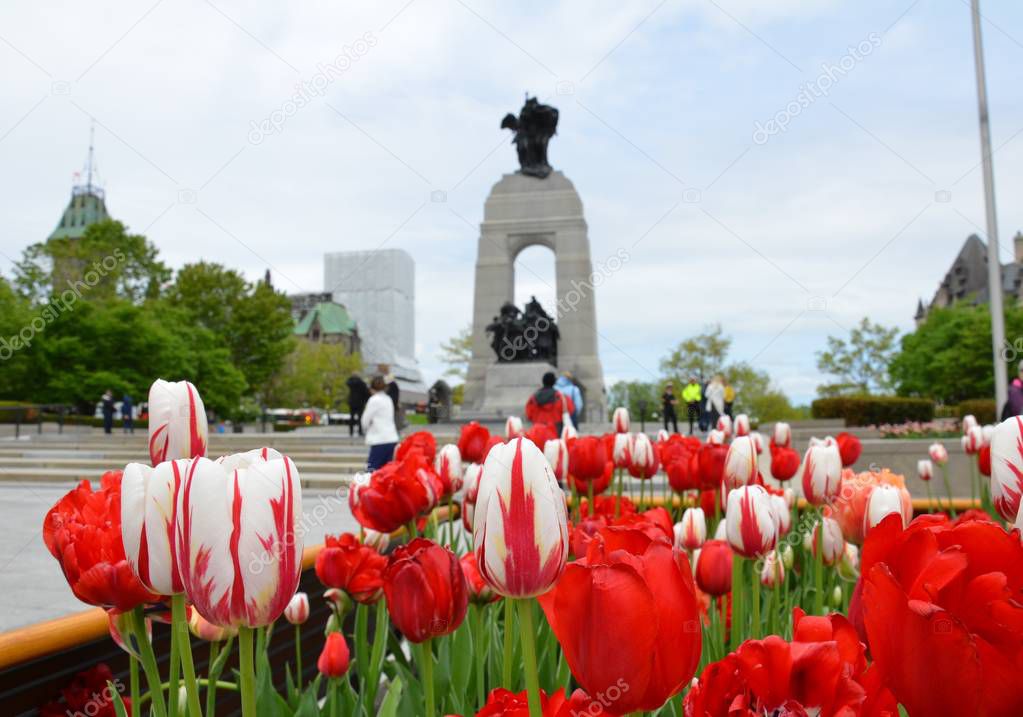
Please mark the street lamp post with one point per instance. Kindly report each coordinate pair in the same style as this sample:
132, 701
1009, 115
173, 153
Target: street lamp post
994, 264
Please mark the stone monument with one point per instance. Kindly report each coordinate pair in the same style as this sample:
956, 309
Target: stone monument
535, 205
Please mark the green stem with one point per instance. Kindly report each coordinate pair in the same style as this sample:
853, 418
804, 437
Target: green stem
298, 654
754, 597
589, 496
413, 529
529, 656
173, 669
506, 664
180, 626
211, 683
426, 670
481, 687
818, 578
737, 617
149, 662
381, 626
618, 491
245, 670
334, 697
134, 681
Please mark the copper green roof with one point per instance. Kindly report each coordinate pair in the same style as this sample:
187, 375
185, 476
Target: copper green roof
332, 318
86, 207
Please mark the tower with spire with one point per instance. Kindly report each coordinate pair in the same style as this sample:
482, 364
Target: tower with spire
88, 201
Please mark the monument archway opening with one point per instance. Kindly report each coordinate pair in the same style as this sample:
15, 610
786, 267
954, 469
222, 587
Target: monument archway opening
534, 275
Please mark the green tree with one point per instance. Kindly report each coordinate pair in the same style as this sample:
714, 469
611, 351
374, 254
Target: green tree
948, 357
633, 393
701, 356
107, 262
756, 396
861, 362
456, 353
313, 374
254, 320
15, 323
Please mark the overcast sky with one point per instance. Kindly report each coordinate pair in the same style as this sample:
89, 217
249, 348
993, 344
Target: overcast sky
784, 236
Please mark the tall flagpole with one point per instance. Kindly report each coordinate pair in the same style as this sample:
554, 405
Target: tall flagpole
994, 264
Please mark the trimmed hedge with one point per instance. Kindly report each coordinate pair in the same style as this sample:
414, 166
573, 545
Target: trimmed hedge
874, 410
982, 408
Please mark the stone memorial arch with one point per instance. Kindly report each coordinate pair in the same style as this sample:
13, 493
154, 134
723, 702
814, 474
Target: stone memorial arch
527, 209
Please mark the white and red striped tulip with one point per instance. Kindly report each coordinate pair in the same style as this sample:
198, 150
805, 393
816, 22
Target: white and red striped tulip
782, 434
924, 469
376, 540
662, 435
235, 461
569, 432
149, 501
512, 427
520, 534
297, 611
691, 531
790, 497
1007, 467
716, 437
969, 421
821, 471
938, 453
448, 465
724, 424
556, 453
471, 483
758, 440
621, 451
1018, 525
740, 463
773, 573
833, 544
782, 514
751, 528
177, 421
620, 419
986, 432
741, 425
643, 455
239, 553
206, 630
883, 501
973, 440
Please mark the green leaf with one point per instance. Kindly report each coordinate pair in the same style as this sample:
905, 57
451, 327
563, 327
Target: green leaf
389, 707
119, 707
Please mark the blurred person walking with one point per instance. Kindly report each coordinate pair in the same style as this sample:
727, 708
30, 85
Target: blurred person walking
715, 403
729, 398
358, 394
566, 385
668, 403
378, 425
548, 405
692, 396
128, 414
108, 411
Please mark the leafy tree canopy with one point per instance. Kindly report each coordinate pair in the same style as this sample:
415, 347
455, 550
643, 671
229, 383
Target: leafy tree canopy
859, 362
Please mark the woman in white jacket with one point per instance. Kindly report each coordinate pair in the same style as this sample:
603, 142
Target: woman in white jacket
715, 399
378, 425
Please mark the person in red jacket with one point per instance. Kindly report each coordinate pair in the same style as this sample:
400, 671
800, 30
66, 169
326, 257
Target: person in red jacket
548, 404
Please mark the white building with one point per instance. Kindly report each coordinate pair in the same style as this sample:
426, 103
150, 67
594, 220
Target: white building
378, 288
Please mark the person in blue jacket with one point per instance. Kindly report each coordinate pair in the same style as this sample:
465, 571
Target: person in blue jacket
567, 386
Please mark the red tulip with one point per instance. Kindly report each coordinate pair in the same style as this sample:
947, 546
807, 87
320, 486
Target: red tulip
393, 495
941, 606
357, 569
479, 592
711, 465
540, 433
849, 448
714, 568
784, 463
426, 591
598, 485
520, 531
587, 459
984, 460
90, 692
83, 532
421, 442
627, 612
643, 462
335, 657
504, 703
473, 442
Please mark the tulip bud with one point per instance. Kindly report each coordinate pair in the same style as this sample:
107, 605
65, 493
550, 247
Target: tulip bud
716, 438
849, 565
833, 541
239, 553
782, 434
741, 425
973, 440
925, 469
883, 500
120, 624
662, 435
149, 501
790, 498
822, 471
724, 425
1007, 467
986, 431
758, 441
750, 522
520, 534
643, 461
621, 453
836, 597
740, 463
620, 419
969, 421
334, 659
714, 568
177, 422
782, 514
938, 453
691, 531
512, 427
788, 556
448, 467
334, 624
772, 574
297, 611
556, 453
